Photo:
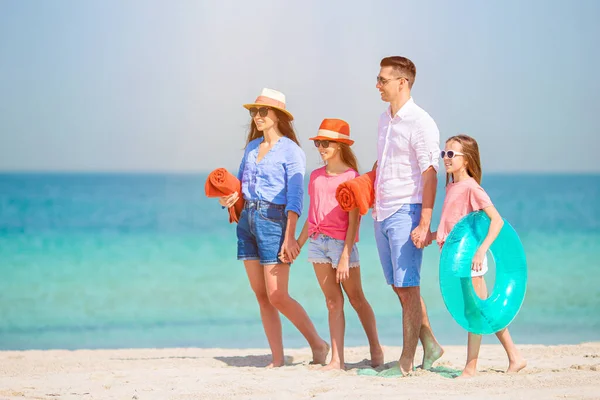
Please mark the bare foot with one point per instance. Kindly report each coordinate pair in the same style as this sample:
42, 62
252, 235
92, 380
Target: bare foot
431, 355
406, 366
377, 357
333, 365
276, 364
320, 354
516, 366
467, 373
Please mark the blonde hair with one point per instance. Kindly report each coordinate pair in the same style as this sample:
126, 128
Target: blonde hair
470, 148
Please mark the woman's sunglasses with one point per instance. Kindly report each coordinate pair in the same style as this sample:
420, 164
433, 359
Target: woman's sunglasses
263, 111
450, 153
322, 143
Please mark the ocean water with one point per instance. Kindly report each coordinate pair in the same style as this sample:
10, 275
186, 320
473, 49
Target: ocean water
115, 261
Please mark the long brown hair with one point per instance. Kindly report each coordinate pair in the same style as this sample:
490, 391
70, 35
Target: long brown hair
347, 156
284, 125
470, 148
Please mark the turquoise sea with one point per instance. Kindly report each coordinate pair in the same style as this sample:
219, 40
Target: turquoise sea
116, 261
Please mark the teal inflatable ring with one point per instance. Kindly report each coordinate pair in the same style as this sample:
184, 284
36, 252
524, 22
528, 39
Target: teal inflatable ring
505, 300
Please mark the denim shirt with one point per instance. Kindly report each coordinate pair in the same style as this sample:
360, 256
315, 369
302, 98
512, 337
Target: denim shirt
279, 176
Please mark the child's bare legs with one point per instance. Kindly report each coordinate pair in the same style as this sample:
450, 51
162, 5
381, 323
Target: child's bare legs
432, 350
474, 341
276, 277
268, 313
516, 362
335, 306
353, 288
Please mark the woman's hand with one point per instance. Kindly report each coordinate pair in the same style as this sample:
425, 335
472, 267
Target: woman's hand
290, 249
477, 264
229, 201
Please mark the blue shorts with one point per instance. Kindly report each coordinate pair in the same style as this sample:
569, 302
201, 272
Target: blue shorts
261, 231
324, 249
400, 258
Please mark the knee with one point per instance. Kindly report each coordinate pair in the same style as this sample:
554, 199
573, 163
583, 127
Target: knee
357, 300
263, 299
278, 298
335, 303
408, 295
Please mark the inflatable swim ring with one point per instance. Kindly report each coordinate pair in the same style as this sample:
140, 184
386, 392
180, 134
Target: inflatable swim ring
504, 302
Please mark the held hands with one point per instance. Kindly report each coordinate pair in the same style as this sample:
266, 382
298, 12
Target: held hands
289, 250
421, 236
431, 237
477, 264
229, 201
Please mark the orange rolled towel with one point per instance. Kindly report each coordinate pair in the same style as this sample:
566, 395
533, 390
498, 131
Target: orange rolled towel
221, 183
358, 192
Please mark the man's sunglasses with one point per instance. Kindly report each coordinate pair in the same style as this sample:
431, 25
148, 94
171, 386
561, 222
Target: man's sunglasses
263, 111
450, 153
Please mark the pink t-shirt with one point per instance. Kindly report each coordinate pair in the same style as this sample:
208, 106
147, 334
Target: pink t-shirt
325, 215
461, 198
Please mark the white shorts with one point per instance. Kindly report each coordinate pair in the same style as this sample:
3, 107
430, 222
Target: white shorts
484, 268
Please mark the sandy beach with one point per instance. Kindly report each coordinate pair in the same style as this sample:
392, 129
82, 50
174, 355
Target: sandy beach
554, 372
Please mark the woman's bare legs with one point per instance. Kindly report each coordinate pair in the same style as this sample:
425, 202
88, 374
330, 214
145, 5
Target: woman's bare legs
268, 313
276, 277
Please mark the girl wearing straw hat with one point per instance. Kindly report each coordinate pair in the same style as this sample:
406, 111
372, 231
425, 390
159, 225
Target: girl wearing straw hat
272, 177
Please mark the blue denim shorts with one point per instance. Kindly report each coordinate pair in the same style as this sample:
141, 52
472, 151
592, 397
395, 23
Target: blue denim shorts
400, 258
260, 231
327, 250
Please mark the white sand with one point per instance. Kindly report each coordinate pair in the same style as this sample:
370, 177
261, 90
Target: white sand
554, 372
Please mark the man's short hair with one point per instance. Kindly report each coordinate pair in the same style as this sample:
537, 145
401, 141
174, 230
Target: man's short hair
403, 66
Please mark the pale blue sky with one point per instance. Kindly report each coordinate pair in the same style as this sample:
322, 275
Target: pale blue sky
158, 85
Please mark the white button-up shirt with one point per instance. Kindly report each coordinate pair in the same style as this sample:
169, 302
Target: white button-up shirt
407, 144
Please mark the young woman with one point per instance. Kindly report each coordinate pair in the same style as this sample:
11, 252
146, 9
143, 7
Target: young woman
272, 175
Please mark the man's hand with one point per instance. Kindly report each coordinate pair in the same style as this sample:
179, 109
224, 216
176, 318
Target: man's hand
420, 236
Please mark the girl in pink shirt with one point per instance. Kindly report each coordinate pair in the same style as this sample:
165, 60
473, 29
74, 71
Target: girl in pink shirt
333, 234
463, 196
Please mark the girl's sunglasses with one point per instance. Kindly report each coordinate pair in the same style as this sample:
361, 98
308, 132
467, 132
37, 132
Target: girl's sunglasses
263, 111
323, 143
450, 153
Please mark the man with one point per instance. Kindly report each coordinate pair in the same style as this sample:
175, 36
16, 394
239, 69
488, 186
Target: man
407, 163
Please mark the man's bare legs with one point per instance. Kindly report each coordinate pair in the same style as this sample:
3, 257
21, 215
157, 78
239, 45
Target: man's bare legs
412, 319
432, 351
